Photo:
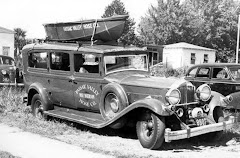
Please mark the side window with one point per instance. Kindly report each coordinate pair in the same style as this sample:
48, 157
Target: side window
86, 63
60, 61
192, 73
37, 60
203, 72
220, 73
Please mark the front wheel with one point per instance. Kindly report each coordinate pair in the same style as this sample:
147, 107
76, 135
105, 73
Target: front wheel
150, 130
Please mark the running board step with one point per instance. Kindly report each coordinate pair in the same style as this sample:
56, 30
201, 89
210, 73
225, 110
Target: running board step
91, 119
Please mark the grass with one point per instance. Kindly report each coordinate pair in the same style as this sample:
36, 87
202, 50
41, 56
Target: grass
118, 143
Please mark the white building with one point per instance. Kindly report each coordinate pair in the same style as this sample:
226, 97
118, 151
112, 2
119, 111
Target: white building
6, 42
185, 55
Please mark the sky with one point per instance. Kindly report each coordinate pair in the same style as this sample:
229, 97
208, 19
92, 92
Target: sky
30, 15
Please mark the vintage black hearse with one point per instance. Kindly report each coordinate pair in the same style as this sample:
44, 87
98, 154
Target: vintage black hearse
110, 85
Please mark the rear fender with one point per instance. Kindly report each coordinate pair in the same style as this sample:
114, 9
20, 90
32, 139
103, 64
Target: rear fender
38, 88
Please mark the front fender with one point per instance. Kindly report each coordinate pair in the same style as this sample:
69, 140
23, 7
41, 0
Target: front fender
216, 101
38, 88
235, 101
154, 105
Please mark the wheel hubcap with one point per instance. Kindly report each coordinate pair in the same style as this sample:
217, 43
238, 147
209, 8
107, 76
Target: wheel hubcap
38, 109
148, 129
114, 105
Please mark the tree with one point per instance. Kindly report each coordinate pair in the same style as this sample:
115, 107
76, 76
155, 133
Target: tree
128, 36
207, 23
19, 40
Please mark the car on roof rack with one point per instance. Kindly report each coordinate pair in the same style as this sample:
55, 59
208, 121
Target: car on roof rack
106, 85
221, 77
10, 75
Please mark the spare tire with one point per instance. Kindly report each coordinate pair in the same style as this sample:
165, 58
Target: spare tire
112, 102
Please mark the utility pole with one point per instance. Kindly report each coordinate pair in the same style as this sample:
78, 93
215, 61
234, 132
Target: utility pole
237, 51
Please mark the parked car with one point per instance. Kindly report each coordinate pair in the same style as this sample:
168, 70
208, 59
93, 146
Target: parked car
105, 85
221, 77
9, 75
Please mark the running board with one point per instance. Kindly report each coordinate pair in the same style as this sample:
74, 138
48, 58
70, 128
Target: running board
91, 119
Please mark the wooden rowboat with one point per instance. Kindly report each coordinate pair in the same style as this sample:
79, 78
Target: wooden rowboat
105, 29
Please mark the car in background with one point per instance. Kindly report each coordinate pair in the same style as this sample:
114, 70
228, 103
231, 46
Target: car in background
221, 77
9, 74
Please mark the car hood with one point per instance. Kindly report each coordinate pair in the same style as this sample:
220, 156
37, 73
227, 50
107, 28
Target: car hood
144, 80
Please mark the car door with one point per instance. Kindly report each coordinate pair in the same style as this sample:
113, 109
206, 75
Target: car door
199, 75
87, 81
221, 81
61, 79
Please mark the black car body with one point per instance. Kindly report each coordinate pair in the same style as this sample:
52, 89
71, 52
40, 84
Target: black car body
9, 74
221, 77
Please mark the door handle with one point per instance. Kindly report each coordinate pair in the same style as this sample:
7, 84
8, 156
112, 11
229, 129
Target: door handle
71, 79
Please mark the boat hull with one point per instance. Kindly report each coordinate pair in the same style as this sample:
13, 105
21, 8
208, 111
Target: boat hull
106, 29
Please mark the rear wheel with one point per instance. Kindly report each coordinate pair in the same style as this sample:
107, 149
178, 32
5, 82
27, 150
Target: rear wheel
150, 131
37, 106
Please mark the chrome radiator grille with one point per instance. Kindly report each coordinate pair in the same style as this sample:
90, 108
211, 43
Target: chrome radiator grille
187, 93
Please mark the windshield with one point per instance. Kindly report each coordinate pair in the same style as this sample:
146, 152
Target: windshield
235, 71
126, 62
6, 61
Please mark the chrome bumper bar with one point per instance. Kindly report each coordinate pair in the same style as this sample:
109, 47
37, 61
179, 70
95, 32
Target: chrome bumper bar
191, 132
11, 84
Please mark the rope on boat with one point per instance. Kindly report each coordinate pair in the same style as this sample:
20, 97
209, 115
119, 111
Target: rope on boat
94, 31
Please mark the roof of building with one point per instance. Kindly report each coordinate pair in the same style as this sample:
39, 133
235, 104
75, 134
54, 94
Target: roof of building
4, 30
183, 45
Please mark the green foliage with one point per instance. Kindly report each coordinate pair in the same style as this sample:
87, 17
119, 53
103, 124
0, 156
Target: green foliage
128, 37
19, 40
206, 23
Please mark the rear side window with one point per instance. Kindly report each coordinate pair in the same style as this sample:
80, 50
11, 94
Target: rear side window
220, 73
37, 60
60, 61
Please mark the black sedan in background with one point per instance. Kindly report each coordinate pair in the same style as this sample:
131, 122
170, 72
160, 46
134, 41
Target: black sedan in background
221, 77
9, 74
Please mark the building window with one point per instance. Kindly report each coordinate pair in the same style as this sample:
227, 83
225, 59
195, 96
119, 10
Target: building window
193, 58
6, 50
205, 60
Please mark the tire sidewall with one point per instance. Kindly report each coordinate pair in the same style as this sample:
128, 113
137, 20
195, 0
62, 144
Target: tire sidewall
34, 99
157, 138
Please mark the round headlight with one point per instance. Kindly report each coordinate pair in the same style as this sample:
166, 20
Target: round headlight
4, 72
204, 92
173, 96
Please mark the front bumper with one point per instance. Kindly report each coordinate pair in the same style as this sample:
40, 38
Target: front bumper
12, 84
191, 132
